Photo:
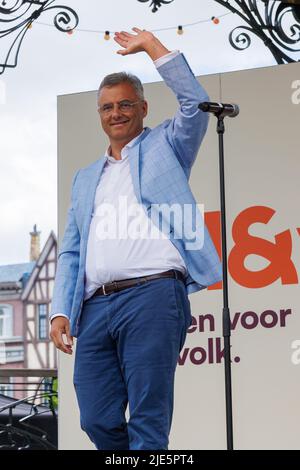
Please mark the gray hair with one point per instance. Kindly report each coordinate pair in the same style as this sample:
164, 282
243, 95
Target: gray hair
122, 77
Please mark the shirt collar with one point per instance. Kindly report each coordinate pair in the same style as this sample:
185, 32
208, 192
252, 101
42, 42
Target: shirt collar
124, 151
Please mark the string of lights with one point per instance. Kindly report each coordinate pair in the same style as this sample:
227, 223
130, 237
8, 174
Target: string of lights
179, 28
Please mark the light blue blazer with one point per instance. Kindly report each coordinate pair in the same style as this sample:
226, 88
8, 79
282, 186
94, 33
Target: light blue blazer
160, 165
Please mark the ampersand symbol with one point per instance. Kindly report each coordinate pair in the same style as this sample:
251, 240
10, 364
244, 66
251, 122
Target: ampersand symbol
278, 253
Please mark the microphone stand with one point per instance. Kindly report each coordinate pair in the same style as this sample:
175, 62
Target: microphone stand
220, 111
226, 311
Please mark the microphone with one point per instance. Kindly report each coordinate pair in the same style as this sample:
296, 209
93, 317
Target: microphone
220, 109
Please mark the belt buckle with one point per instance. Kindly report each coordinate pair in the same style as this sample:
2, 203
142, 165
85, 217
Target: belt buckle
108, 293
103, 289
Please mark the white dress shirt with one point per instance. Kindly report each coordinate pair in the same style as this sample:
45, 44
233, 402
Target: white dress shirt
116, 255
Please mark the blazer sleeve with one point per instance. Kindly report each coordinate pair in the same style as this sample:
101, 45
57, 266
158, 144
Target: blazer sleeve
186, 130
67, 265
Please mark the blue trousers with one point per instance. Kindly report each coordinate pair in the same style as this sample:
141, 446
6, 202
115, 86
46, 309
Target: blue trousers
126, 354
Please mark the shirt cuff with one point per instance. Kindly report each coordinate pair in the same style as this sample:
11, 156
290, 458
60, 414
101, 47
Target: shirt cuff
58, 315
165, 58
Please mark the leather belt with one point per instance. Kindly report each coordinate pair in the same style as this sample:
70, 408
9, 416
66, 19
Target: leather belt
117, 286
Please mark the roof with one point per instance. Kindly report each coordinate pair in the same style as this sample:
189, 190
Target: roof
15, 272
39, 263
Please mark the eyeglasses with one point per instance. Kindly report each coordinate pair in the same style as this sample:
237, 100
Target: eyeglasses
124, 106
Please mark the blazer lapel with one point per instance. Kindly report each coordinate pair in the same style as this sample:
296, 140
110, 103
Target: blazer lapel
134, 162
92, 179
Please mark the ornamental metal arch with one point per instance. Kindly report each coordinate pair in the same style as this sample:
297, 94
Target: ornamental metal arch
275, 22
17, 16
267, 19
156, 4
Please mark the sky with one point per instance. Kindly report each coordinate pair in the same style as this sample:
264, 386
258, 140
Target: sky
52, 63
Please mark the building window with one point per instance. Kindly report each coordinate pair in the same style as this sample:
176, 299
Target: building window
6, 387
42, 321
6, 321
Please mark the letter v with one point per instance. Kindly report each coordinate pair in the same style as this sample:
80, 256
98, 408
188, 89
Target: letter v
182, 359
235, 320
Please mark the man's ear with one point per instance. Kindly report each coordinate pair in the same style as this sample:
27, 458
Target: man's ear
145, 108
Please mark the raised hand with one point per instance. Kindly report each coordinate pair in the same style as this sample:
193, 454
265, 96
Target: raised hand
142, 41
132, 43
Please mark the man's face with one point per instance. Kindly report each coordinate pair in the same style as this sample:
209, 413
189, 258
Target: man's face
121, 125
